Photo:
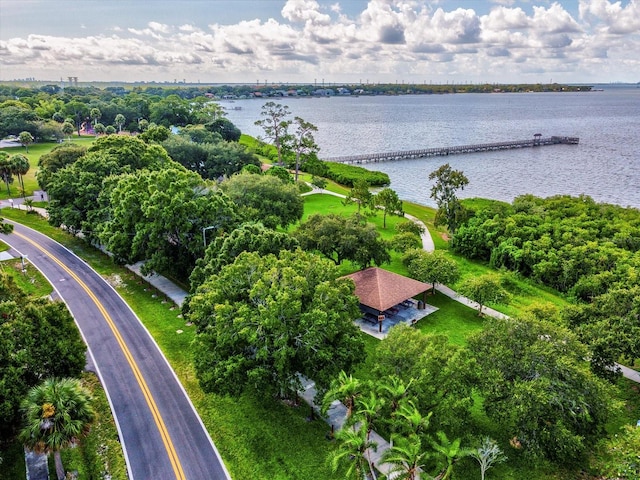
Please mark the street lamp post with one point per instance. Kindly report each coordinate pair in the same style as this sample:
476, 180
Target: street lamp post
204, 236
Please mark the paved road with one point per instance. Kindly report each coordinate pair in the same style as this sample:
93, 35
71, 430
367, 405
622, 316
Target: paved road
161, 434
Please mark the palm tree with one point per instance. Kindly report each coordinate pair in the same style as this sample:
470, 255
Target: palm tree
20, 166
67, 129
352, 451
412, 418
394, 390
450, 450
367, 410
346, 389
407, 457
95, 115
6, 170
57, 413
119, 121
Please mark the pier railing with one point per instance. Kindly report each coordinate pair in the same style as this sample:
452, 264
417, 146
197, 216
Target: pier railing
443, 151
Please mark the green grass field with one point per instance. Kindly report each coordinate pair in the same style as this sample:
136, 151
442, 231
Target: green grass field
36, 150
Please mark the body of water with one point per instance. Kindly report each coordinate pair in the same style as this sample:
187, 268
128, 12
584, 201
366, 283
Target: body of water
605, 165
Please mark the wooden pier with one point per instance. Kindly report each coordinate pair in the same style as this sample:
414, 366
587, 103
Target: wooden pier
537, 141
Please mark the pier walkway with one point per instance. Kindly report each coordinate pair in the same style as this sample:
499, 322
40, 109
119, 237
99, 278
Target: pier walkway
537, 141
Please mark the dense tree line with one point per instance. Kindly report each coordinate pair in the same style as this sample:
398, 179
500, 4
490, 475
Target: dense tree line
560, 241
38, 340
42, 112
588, 250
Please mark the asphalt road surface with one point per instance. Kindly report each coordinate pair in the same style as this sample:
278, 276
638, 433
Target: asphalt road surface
162, 435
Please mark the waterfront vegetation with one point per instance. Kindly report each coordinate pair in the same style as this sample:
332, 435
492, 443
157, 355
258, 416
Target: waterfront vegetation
265, 437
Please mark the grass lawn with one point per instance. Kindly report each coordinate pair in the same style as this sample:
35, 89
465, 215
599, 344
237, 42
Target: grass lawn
36, 150
30, 281
452, 318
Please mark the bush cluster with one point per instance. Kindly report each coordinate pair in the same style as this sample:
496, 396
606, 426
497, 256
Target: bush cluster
347, 175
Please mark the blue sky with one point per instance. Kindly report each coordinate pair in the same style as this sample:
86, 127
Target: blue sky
499, 41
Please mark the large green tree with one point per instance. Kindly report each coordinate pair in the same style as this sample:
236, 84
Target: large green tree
447, 182
210, 160
390, 202
342, 238
159, 216
171, 110
16, 117
431, 267
225, 128
59, 157
57, 414
265, 199
538, 387
264, 320
248, 237
38, 339
74, 189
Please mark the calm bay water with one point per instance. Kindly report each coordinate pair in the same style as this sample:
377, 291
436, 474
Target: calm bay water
605, 165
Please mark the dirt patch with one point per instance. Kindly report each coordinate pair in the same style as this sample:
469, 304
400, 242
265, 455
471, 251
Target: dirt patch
115, 281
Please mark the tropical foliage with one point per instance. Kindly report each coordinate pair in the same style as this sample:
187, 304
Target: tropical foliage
57, 414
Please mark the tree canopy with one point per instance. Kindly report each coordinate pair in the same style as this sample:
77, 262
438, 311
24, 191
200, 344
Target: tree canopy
74, 189
159, 216
536, 383
210, 160
248, 237
264, 320
265, 199
431, 267
38, 339
341, 238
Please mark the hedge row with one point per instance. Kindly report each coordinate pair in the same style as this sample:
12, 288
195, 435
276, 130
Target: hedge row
347, 174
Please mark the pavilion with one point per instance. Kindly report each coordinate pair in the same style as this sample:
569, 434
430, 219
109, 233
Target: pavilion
386, 295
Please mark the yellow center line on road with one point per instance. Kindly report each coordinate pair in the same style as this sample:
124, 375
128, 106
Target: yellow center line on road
171, 451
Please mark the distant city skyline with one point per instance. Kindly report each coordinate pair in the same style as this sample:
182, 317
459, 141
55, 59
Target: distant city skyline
309, 41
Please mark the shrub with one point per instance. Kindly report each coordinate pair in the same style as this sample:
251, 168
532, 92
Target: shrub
347, 175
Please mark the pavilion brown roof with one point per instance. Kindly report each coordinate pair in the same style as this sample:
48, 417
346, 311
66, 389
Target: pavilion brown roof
381, 289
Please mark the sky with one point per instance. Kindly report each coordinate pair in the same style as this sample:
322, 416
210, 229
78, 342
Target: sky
318, 41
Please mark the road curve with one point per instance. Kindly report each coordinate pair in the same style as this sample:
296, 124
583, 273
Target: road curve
160, 431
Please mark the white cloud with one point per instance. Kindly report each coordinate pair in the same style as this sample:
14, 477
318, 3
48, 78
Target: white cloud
387, 40
613, 17
301, 11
